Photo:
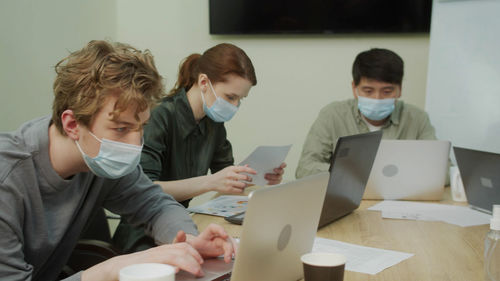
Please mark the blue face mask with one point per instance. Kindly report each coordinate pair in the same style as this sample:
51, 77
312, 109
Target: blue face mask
115, 159
375, 109
221, 110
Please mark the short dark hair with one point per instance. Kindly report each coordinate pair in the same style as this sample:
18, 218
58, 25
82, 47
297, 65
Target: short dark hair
378, 64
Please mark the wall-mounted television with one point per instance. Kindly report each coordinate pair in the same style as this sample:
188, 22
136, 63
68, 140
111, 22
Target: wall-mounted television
319, 16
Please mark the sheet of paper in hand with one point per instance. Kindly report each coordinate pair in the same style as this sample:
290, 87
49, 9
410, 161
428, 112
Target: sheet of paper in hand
264, 159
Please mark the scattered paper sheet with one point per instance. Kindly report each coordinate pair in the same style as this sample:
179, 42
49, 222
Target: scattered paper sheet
264, 159
359, 258
223, 206
458, 215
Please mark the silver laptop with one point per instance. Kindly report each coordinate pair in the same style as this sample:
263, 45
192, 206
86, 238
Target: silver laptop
480, 172
409, 170
350, 167
280, 225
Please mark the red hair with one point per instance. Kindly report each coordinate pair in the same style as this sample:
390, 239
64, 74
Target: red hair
216, 62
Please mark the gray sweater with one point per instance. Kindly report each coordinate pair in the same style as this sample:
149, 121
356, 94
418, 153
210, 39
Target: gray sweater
42, 215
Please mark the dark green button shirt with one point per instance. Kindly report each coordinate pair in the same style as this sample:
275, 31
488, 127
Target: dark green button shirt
176, 147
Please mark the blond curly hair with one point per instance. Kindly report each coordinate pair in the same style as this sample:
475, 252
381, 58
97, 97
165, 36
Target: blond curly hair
86, 77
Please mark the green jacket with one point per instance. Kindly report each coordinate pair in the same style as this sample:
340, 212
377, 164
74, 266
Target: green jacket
176, 147
342, 118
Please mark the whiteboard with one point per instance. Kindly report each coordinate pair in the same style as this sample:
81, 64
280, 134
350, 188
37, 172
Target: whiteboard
463, 83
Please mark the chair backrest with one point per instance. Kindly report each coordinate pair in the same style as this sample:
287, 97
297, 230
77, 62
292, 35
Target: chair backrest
97, 227
88, 253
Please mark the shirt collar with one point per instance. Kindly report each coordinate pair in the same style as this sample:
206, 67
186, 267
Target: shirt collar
187, 123
395, 115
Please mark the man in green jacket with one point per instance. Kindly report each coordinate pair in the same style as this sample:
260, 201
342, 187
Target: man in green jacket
376, 87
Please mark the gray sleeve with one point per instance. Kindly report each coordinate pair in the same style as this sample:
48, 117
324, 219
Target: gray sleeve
13, 265
142, 203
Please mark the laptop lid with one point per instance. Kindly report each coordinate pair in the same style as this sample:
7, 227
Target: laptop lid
280, 225
409, 170
350, 167
480, 172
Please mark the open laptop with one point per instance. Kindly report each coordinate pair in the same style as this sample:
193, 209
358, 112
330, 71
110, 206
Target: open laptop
480, 172
409, 170
350, 167
280, 225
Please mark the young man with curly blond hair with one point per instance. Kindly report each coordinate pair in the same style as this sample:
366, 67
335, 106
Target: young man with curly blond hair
55, 171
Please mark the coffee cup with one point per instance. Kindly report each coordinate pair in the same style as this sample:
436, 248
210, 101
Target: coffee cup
147, 272
323, 266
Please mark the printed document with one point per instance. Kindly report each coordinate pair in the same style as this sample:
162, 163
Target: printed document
222, 206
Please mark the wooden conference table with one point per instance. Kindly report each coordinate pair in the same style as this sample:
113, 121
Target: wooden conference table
441, 251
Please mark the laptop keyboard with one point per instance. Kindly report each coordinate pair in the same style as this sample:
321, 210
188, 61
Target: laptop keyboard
225, 277
237, 218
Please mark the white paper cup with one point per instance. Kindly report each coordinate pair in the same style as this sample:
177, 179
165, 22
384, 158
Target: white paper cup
148, 272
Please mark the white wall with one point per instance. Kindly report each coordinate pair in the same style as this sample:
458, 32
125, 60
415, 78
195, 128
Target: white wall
34, 36
463, 90
297, 75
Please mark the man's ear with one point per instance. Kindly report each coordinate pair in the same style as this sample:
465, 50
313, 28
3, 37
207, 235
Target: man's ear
400, 91
69, 124
354, 90
203, 82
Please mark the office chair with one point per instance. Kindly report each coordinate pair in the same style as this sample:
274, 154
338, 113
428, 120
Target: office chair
94, 245
87, 253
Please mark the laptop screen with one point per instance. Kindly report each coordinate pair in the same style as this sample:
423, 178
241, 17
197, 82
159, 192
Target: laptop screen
350, 168
481, 178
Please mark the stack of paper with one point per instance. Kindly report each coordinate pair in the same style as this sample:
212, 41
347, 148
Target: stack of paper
458, 215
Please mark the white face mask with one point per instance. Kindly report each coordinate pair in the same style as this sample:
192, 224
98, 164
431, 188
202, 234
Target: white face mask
376, 109
221, 110
115, 159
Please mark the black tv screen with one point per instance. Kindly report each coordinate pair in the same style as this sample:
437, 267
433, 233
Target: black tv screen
319, 16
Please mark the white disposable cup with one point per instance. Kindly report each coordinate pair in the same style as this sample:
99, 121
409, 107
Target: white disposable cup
148, 272
456, 185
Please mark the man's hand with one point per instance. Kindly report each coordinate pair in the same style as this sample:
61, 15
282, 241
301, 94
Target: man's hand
180, 255
211, 243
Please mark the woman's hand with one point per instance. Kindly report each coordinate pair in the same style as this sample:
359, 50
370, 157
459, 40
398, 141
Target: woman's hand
277, 176
230, 179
